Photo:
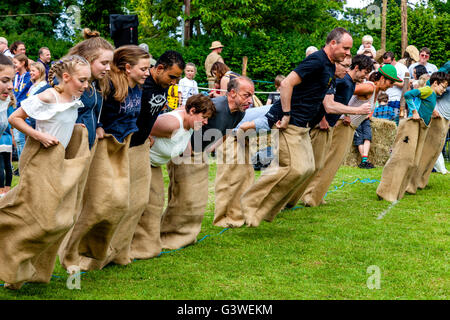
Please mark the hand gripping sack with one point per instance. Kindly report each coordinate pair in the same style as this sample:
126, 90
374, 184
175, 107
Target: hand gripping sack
37, 214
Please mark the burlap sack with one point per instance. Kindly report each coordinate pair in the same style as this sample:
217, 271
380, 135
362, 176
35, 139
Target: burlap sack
341, 142
36, 214
404, 160
320, 140
105, 203
140, 177
234, 175
271, 192
187, 199
432, 147
146, 240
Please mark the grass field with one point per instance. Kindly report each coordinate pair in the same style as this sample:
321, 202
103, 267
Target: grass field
307, 253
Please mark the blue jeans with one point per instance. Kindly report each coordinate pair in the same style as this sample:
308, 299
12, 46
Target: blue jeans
19, 137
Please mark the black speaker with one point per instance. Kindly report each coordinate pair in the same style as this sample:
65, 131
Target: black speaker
124, 29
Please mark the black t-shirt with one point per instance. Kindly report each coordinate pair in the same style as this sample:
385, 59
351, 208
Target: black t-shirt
217, 126
317, 74
154, 98
344, 91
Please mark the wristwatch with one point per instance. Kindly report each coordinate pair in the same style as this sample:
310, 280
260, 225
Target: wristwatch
286, 113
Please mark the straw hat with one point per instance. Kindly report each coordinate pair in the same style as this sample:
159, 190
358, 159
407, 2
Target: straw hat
215, 45
413, 52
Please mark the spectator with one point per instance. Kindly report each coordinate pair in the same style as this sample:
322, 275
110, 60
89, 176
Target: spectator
188, 86
45, 57
5, 156
310, 49
37, 77
216, 49
424, 56
18, 47
418, 71
421, 81
367, 42
395, 93
4, 47
410, 56
223, 75
22, 83
383, 110
274, 97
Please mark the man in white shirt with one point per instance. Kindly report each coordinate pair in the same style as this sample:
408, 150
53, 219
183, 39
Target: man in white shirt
424, 55
4, 47
395, 93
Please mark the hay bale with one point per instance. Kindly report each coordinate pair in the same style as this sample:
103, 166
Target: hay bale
383, 136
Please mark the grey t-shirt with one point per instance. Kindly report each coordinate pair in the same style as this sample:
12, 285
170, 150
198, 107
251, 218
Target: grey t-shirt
217, 126
443, 104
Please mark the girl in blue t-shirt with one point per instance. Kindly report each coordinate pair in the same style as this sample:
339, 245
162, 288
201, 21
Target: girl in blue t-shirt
130, 68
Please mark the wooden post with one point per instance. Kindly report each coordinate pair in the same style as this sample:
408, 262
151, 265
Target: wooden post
244, 66
404, 12
187, 22
383, 25
402, 99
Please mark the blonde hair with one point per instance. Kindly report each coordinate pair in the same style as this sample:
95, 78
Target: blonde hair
367, 38
124, 55
40, 67
422, 82
90, 49
67, 64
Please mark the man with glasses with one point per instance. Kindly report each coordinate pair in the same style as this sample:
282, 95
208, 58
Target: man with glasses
395, 93
167, 71
424, 55
188, 188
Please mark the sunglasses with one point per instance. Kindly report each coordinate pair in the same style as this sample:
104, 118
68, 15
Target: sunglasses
173, 77
424, 55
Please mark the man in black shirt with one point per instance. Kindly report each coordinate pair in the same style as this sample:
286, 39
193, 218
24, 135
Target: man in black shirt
302, 93
323, 135
168, 70
342, 134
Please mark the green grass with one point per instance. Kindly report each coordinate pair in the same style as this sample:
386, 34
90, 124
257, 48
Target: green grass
307, 253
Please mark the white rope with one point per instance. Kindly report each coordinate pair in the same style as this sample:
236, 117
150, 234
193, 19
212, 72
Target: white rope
212, 89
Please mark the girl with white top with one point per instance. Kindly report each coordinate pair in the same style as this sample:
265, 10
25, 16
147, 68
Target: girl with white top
37, 213
55, 110
188, 86
172, 131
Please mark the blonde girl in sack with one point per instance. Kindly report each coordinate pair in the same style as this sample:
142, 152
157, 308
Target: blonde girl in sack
34, 220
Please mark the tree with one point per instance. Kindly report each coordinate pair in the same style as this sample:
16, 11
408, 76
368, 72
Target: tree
95, 14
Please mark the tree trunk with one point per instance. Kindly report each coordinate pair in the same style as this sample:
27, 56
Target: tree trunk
187, 22
404, 25
383, 25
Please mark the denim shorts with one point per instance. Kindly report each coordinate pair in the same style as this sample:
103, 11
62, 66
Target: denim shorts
363, 132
